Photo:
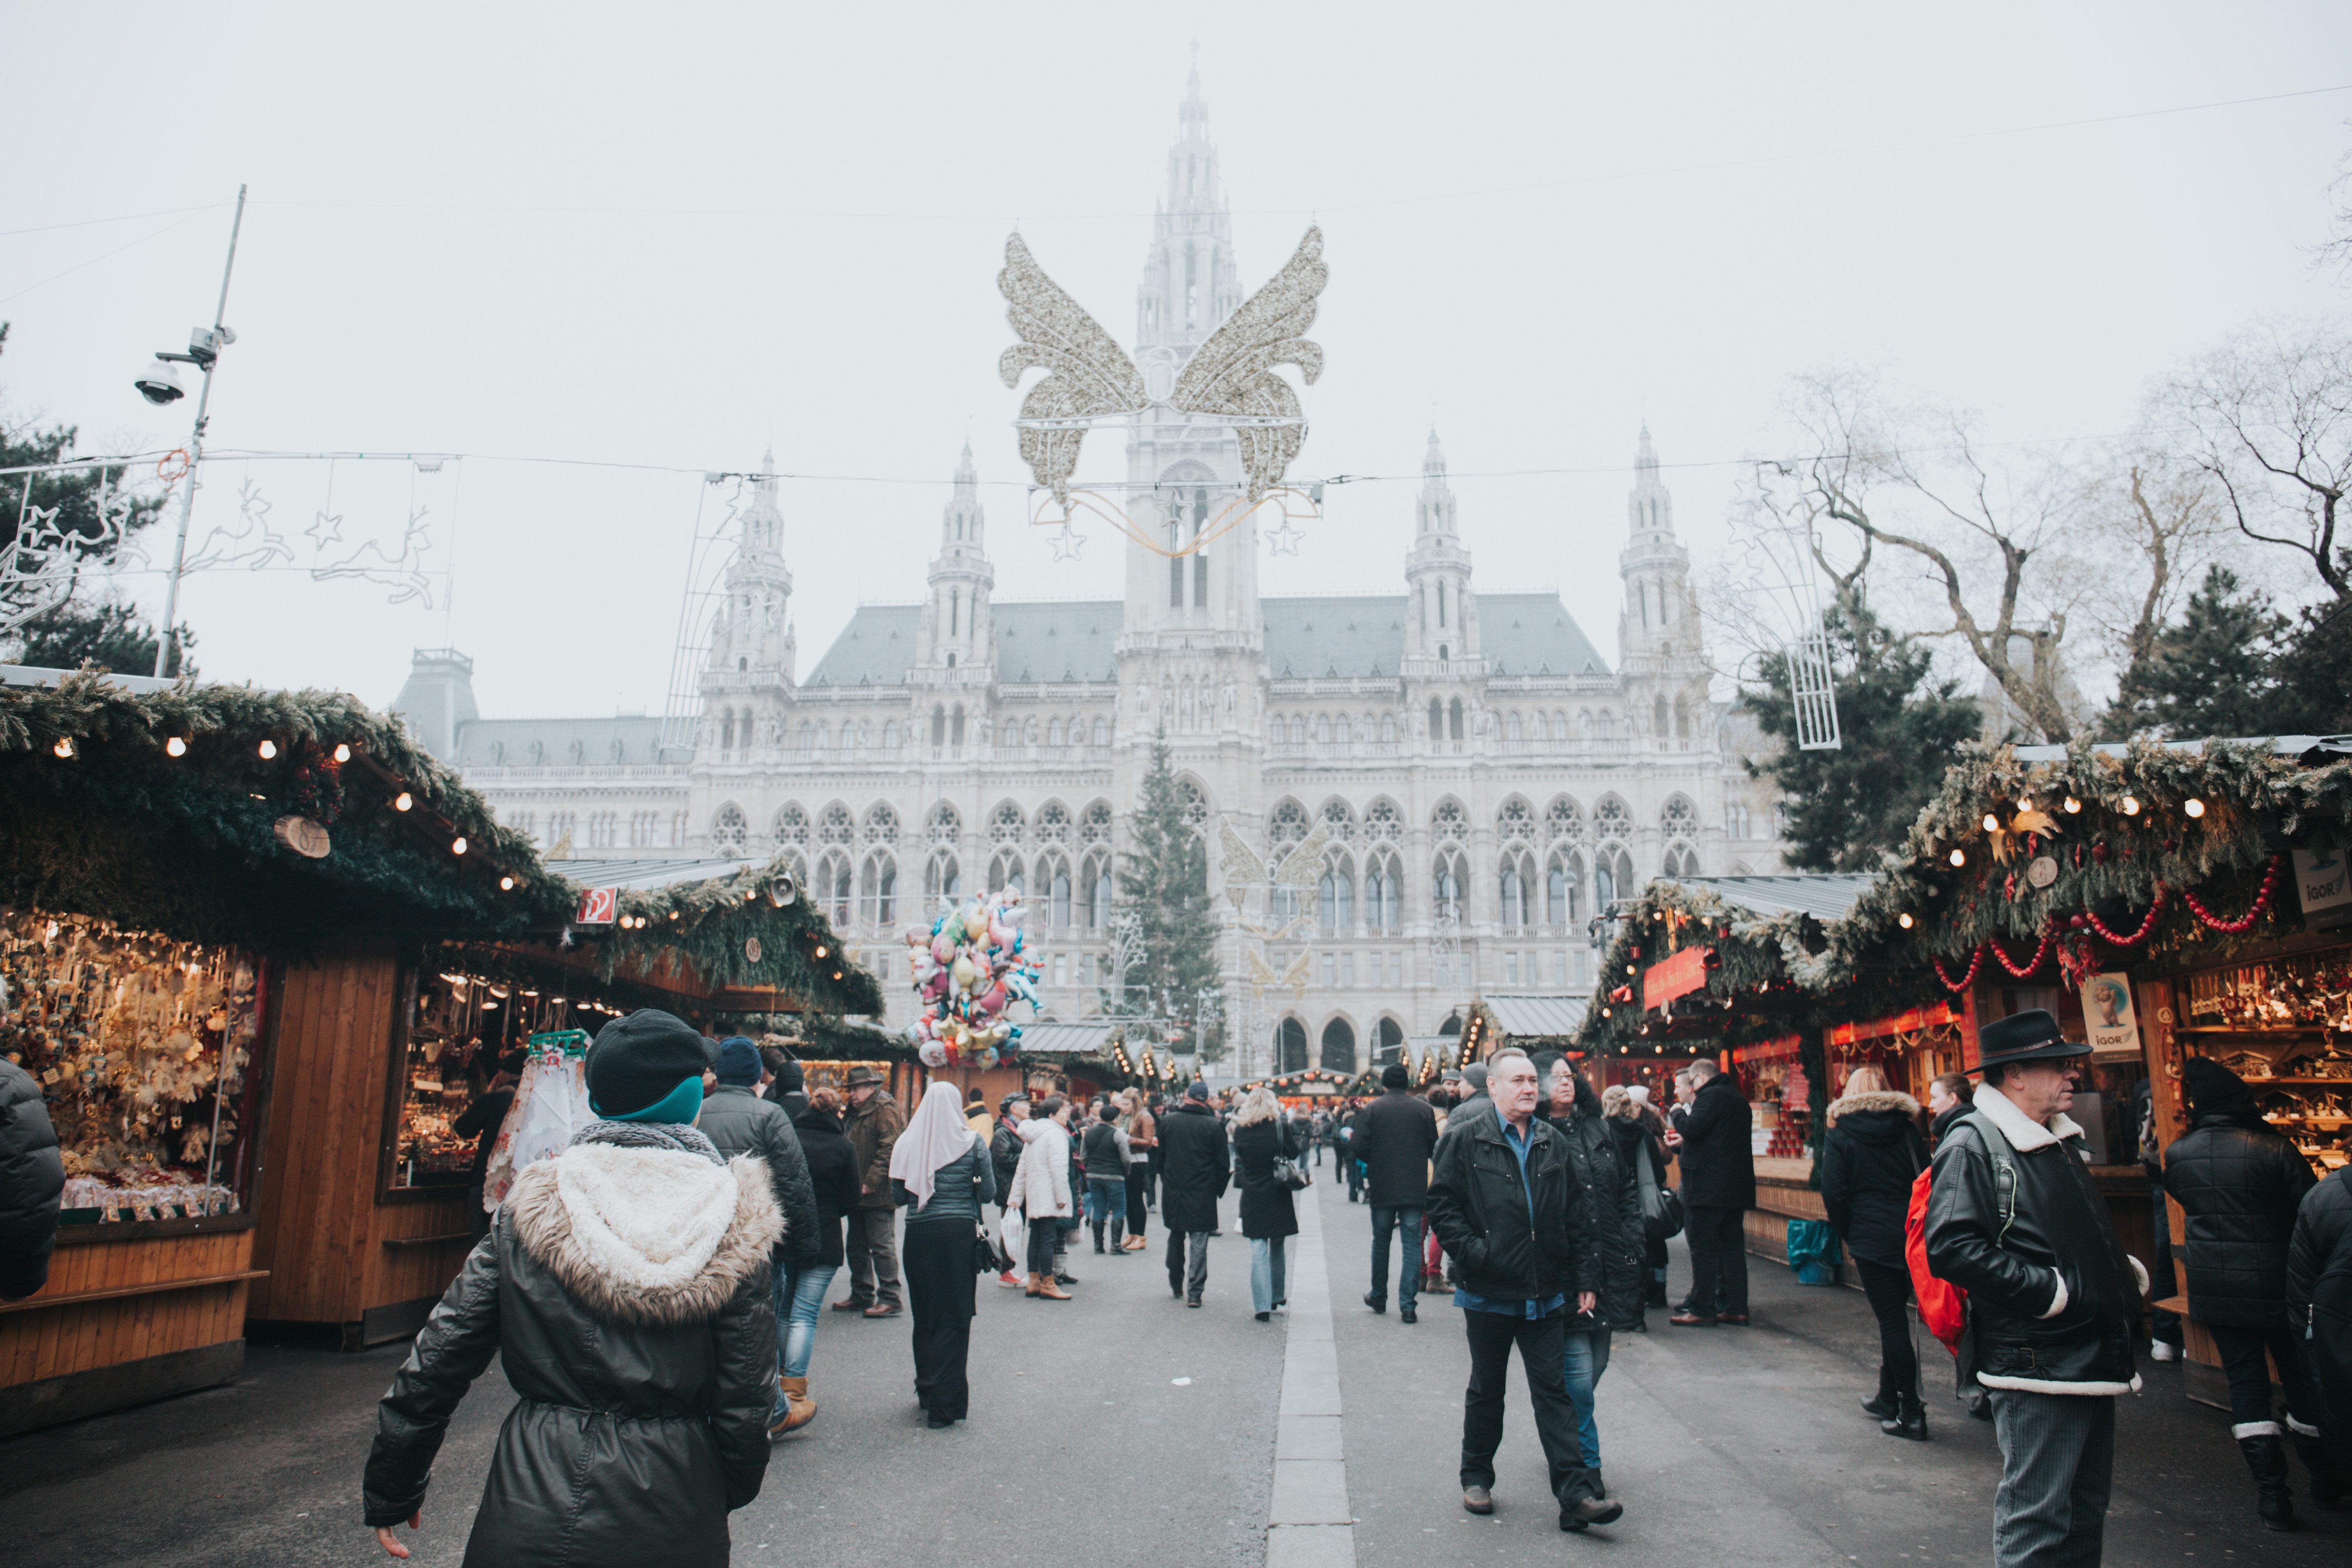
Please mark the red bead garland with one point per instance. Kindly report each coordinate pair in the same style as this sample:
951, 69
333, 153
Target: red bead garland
2002, 958
1976, 963
2146, 926
2261, 901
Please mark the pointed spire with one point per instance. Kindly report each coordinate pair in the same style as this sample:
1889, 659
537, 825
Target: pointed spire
1646, 459
1433, 462
1649, 505
966, 474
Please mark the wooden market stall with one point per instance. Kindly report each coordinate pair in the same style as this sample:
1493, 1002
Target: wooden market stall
197, 884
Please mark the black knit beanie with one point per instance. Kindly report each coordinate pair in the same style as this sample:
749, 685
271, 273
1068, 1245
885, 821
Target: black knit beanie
638, 1060
2212, 1086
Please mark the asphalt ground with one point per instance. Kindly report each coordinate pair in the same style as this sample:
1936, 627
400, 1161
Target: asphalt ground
1122, 1427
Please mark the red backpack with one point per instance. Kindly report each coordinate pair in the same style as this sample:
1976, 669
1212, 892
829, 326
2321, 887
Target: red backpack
1944, 1306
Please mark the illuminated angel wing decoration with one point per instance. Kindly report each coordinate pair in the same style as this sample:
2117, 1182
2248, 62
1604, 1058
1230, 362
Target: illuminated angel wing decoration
1261, 972
1297, 975
1302, 869
1241, 866
1089, 375
1233, 373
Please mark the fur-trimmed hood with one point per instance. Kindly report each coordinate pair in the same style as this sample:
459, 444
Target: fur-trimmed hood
1893, 1100
647, 1235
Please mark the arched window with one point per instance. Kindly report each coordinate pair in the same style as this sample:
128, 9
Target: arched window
890, 735
941, 879
943, 823
955, 726
1681, 719
1681, 860
1388, 1043
1005, 824
791, 825
939, 726
1338, 1046
1094, 827
1004, 871
728, 830
1453, 719
881, 823
1010, 738
727, 730
1564, 887
1660, 725
1511, 726
1053, 824
1093, 892
833, 886
1388, 728
1102, 732
1448, 878
1338, 822
1059, 888
1518, 887
1608, 725
1054, 734
1436, 719
1290, 1046
1383, 823
1382, 888
1335, 897
1613, 879
1323, 729
877, 891
1298, 729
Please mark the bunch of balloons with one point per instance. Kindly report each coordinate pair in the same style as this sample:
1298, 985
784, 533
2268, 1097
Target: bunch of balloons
967, 972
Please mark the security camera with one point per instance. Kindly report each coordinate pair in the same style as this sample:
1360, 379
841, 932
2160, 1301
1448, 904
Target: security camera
160, 383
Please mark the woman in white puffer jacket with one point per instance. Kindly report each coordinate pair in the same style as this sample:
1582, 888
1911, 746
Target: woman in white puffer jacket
1040, 1190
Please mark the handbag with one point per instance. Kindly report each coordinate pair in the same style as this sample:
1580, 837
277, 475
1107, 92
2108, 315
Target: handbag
1288, 1173
983, 1251
1662, 1208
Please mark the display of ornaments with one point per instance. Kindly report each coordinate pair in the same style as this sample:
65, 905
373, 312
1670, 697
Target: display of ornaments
967, 969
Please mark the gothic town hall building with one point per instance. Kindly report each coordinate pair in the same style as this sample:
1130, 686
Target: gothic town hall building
1487, 781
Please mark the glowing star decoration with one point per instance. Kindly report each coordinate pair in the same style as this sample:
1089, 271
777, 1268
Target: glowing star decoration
1229, 381
1282, 539
1067, 543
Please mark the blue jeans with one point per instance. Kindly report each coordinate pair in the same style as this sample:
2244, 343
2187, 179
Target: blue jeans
1265, 1272
1585, 1359
800, 1296
1407, 1222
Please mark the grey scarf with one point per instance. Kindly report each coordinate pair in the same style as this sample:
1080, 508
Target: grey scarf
651, 1135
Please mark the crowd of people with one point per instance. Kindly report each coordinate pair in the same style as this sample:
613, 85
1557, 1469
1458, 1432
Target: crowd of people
657, 1287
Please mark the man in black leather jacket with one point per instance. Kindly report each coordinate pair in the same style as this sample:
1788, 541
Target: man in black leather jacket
1523, 1251
2239, 1183
2014, 1220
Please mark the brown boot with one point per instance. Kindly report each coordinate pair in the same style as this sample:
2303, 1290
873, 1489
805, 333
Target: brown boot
1032, 1289
801, 1408
1050, 1289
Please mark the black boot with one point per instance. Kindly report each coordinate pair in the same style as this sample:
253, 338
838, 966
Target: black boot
1910, 1420
1886, 1403
2273, 1499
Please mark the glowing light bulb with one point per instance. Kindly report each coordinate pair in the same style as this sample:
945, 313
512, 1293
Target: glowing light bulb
1992, 823
2194, 807
1904, 919
343, 752
403, 801
63, 749
268, 749
176, 747
2131, 805
2073, 805
506, 884
457, 846
1959, 858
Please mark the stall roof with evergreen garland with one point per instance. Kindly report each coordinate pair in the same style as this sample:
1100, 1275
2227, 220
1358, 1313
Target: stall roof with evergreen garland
159, 807
2047, 861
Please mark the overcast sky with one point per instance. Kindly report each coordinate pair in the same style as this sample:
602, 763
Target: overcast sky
668, 236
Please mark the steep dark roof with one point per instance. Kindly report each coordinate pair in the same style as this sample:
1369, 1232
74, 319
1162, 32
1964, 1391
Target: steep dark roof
507, 742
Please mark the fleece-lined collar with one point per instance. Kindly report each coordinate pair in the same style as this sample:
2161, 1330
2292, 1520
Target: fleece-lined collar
2024, 1134
648, 1234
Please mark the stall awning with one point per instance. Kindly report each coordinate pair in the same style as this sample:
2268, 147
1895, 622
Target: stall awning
1089, 1038
1824, 895
1536, 1017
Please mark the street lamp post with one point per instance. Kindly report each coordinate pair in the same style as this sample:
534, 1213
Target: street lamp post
203, 351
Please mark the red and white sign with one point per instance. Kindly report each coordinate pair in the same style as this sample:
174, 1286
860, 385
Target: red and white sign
1680, 976
597, 906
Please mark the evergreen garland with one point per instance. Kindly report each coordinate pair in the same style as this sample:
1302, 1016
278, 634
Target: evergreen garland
1788, 974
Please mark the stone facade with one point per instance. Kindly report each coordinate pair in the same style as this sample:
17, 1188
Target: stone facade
1489, 782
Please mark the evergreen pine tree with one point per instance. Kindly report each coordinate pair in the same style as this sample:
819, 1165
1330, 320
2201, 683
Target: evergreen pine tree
1164, 882
1845, 807
2212, 674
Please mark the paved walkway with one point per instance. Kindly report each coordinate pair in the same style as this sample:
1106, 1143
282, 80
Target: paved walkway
1124, 1429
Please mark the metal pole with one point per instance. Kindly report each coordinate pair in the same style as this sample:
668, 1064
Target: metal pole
195, 452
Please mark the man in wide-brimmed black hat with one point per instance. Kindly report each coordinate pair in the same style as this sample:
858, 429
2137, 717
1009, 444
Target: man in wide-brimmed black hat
2014, 1220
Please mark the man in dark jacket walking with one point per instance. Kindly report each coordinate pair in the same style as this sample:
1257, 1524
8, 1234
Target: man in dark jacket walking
32, 1179
1503, 1209
2013, 1220
2319, 1299
1393, 1138
874, 1124
1719, 1163
2239, 1182
1199, 1166
738, 1122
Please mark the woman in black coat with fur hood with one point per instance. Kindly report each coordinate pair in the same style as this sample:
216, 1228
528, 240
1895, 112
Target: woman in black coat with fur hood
1869, 1160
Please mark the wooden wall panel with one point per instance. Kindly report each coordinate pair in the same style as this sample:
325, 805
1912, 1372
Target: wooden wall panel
317, 1200
406, 1273
43, 1341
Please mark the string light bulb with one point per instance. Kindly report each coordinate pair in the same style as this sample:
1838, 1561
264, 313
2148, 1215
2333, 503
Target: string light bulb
63, 749
1904, 919
403, 801
342, 751
2194, 807
2131, 805
1992, 823
269, 748
458, 845
2073, 807
176, 747
820, 950
1960, 857
506, 884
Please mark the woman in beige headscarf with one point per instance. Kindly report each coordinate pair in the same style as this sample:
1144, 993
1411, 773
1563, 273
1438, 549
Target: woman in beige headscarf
940, 1170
